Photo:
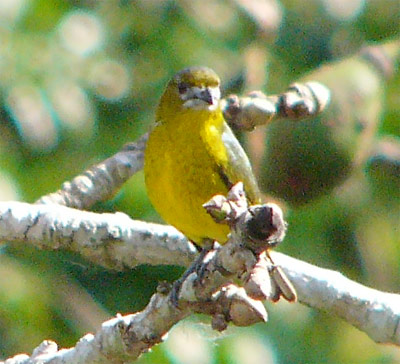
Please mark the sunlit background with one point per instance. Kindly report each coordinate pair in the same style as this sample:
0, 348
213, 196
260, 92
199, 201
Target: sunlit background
78, 79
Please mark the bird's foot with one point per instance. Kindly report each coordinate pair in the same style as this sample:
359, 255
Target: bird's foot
195, 267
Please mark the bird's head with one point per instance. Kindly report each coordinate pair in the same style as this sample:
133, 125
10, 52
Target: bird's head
196, 88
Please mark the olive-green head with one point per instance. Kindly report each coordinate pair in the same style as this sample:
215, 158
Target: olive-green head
196, 88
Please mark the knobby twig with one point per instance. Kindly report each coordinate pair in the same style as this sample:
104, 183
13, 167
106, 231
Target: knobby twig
300, 101
249, 111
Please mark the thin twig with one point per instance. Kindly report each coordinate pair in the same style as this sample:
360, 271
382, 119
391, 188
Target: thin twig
101, 181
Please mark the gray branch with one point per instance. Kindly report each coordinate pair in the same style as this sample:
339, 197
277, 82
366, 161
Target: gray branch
116, 241
101, 181
113, 241
374, 312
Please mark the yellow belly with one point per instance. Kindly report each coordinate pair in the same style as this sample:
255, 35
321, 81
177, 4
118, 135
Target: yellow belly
181, 174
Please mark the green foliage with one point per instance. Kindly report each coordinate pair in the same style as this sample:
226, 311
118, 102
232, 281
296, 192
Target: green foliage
78, 79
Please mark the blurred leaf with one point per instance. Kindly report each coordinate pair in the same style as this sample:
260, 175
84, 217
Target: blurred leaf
306, 159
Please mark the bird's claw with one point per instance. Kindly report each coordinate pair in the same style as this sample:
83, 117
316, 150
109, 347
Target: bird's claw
196, 267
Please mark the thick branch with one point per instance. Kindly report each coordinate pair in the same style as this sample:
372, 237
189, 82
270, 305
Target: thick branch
124, 338
99, 237
112, 240
375, 312
119, 340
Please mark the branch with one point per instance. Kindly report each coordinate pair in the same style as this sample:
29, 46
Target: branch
374, 312
119, 340
100, 181
299, 102
111, 240
123, 338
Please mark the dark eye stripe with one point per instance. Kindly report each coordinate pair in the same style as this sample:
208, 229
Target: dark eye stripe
183, 87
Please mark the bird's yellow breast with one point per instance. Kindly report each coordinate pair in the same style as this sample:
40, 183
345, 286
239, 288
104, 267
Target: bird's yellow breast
182, 161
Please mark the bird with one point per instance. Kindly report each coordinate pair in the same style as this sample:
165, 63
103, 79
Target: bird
193, 155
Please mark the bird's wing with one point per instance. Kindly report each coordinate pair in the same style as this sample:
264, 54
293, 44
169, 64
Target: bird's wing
238, 167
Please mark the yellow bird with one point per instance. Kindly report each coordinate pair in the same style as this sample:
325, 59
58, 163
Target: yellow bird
192, 155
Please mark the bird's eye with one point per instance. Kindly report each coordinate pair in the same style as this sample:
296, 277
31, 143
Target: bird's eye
183, 87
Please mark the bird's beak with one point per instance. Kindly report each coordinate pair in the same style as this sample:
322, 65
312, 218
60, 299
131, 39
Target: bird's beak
210, 95
201, 97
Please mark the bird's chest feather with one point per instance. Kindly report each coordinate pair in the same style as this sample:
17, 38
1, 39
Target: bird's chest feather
184, 173
192, 157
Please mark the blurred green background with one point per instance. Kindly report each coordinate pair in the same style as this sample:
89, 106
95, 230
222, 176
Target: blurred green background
80, 78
